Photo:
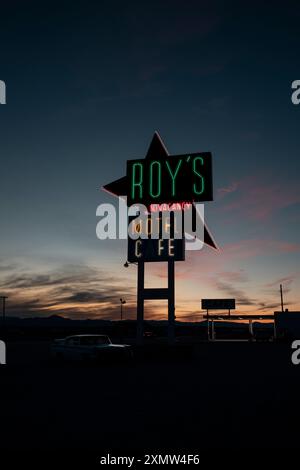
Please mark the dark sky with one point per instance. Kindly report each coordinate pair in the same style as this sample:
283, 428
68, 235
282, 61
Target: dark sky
87, 85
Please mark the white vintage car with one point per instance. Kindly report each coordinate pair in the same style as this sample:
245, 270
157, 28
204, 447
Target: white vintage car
89, 347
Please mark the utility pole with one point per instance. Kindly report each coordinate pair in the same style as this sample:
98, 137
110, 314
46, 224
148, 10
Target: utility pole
122, 302
281, 297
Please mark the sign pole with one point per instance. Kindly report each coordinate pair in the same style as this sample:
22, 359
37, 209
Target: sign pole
171, 301
207, 318
140, 303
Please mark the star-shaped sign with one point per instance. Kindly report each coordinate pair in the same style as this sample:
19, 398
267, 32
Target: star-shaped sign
157, 151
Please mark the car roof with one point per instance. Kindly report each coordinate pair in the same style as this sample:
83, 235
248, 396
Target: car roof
87, 336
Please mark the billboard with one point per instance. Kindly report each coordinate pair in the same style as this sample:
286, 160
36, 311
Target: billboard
161, 182
218, 304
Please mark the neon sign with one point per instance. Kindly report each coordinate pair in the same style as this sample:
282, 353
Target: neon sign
165, 182
177, 178
145, 248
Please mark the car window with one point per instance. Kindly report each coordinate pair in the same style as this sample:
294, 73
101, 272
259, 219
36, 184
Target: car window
103, 340
87, 341
94, 340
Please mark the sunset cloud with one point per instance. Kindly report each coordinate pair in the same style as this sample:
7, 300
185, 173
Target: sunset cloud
229, 189
257, 201
75, 290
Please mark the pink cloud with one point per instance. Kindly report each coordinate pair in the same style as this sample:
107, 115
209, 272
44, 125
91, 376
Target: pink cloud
257, 201
229, 189
257, 247
233, 276
287, 281
207, 264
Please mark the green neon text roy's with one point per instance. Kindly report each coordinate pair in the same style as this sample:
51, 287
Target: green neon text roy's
165, 179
